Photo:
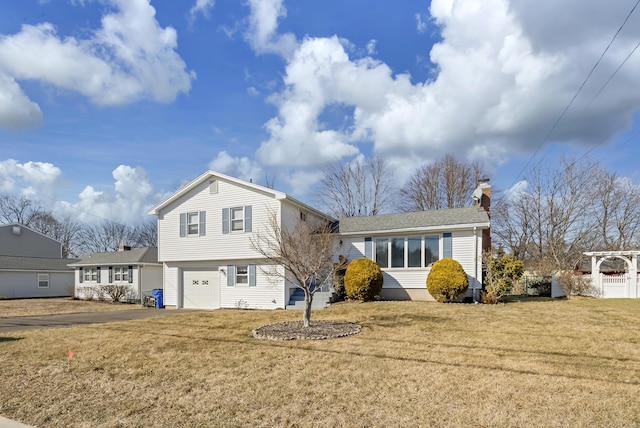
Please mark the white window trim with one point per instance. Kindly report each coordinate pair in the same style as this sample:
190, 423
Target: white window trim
423, 265
90, 273
45, 275
188, 225
232, 219
245, 275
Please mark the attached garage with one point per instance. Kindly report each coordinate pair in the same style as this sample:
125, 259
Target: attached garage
200, 289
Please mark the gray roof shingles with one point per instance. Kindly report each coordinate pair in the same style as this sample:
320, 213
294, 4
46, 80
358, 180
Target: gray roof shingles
147, 255
35, 263
414, 220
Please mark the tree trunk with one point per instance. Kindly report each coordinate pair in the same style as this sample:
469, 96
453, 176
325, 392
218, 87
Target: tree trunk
306, 315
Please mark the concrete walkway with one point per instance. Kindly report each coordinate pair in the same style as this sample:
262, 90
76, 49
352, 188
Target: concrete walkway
8, 423
10, 324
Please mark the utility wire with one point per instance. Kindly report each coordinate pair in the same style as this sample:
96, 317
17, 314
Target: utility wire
564, 112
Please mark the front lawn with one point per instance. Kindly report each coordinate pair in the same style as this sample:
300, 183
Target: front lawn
542, 363
58, 305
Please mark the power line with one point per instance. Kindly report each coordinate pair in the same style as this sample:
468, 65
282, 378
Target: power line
564, 112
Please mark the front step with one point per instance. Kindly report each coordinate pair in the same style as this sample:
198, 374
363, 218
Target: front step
321, 300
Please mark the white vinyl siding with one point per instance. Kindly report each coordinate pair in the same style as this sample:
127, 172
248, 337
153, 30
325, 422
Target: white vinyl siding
138, 278
214, 245
415, 277
268, 292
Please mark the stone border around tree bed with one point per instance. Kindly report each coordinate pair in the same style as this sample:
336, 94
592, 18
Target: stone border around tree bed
317, 330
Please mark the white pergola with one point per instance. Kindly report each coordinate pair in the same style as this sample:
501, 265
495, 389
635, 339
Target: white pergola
630, 257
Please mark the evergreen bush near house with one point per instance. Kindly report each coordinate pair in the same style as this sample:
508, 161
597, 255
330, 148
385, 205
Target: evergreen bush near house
502, 272
447, 280
362, 280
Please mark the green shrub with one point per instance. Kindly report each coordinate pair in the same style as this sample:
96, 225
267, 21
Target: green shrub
447, 280
502, 271
362, 280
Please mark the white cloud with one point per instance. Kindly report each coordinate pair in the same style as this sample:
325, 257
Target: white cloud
251, 90
201, 7
501, 82
132, 196
28, 178
239, 167
16, 109
371, 47
263, 24
421, 24
129, 58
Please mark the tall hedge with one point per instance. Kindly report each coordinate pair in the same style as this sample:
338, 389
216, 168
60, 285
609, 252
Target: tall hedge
447, 280
362, 280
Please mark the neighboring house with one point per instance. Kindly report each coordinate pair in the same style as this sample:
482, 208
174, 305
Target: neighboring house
31, 264
406, 245
136, 268
205, 233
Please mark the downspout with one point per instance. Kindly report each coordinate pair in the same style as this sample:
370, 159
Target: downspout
475, 261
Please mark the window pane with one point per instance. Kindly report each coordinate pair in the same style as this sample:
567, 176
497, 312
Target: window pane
237, 215
431, 249
382, 252
43, 280
397, 252
413, 245
242, 274
192, 223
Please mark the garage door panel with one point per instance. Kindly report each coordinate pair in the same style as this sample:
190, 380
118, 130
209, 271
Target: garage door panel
201, 289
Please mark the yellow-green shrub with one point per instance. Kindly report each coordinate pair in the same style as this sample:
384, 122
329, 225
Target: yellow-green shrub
362, 280
447, 280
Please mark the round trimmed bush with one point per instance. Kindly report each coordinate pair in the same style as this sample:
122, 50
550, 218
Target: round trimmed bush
362, 280
447, 280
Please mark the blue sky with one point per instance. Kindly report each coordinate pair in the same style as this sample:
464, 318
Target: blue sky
107, 105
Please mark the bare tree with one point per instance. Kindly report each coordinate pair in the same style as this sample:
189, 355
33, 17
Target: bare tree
358, 188
20, 210
65, 230
145, 234
615, 202
550, 223
105, 236
447, 183
305, 251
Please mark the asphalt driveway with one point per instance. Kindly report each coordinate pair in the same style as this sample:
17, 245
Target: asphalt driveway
10, 324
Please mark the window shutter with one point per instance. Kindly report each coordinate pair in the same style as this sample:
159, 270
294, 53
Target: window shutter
183, 225
130, 274
225, 220
110, 273
203, 223
447, 250
252, 275
81, 278
368, 248
247, 218
231, 275
99, 278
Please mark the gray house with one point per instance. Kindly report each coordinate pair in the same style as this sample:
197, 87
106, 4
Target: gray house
31, 264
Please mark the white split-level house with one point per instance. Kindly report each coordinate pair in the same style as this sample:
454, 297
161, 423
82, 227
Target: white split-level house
205, 233
206, 230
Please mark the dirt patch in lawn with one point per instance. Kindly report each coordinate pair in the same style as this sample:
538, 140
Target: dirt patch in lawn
65, 305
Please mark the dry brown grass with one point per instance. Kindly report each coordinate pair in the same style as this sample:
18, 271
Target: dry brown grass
64, 305
535, 364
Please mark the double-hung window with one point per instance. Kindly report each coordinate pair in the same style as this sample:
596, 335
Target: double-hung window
241, 275
43, 280
121, 273
237, 219
193, 223
91, 274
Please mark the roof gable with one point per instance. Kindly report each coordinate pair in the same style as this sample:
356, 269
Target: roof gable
419, 220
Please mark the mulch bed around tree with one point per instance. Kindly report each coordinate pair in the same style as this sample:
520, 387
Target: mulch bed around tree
317, 330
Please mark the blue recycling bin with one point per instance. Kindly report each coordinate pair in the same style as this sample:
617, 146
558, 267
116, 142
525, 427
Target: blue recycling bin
157, 295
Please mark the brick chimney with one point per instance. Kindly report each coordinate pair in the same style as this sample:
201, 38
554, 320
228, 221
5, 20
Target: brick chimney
123, 247
482, 198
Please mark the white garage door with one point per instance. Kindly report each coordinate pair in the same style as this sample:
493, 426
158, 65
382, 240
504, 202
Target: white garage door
201, 289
